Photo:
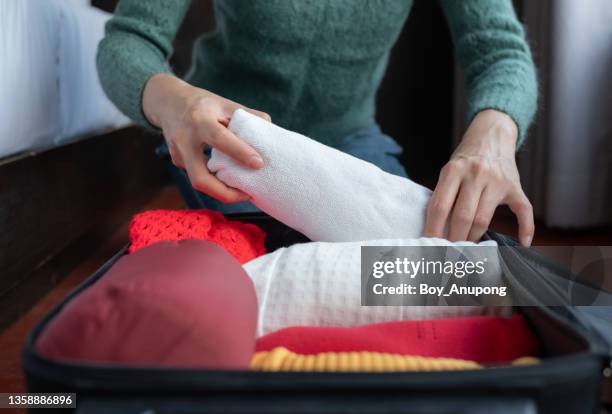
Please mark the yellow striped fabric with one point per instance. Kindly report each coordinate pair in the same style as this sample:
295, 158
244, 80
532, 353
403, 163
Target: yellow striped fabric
281, 359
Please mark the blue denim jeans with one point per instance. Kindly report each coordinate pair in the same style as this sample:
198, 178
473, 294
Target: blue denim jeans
369, 144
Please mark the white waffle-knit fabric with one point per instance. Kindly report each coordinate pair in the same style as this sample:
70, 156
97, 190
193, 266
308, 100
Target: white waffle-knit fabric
319, 191
319, 284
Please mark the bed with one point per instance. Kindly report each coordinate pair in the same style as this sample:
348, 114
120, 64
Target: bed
49, 90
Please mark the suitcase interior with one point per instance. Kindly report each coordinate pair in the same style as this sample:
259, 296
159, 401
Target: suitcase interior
566, 381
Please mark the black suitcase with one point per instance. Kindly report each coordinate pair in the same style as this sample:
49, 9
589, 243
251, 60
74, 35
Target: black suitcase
576, 344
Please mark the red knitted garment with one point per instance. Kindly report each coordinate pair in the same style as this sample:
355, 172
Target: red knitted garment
244, 241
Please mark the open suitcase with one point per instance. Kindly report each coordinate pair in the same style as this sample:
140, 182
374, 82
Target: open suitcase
576, 344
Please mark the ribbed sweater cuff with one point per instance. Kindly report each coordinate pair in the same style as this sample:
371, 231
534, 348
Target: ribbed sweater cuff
514, 102
133, 95
127, 86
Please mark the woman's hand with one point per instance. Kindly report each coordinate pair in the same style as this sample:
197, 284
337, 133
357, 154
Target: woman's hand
480, 175
192, 118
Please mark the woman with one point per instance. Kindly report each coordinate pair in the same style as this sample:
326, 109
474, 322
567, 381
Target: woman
315, 67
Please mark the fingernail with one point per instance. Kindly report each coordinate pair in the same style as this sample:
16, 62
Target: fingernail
527, 241
255, 161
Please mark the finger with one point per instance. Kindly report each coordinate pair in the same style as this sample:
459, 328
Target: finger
224, 140
175, 156
521, 207
489, 200
260, 114
464, 211
441, 203
230, 107
202, 180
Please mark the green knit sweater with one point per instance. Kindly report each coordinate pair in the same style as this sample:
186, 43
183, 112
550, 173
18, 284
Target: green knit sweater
314, 65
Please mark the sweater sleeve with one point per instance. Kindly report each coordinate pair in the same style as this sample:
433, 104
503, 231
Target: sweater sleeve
136, 46
491, 47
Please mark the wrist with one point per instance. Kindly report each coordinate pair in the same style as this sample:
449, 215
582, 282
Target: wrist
162, 97
494, 130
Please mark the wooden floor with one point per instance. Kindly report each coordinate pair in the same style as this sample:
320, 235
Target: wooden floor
12, 339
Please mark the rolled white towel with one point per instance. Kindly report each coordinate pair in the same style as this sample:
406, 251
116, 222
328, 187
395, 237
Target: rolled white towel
319, 284
319, 191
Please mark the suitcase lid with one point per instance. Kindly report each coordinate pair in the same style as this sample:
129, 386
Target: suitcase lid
566, 293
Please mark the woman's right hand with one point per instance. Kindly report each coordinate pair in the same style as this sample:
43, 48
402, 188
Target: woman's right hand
192, 118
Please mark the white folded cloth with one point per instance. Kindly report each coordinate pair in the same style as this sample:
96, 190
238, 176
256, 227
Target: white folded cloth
319, 191
319, 284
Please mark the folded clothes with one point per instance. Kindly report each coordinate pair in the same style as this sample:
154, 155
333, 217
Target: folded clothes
319, 191
318, 284
281, 359
484, 339
175, 304
244, 241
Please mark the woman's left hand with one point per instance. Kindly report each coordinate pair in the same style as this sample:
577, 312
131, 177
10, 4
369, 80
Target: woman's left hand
480, 175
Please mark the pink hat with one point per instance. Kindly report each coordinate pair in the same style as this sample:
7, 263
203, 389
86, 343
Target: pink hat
180, 304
